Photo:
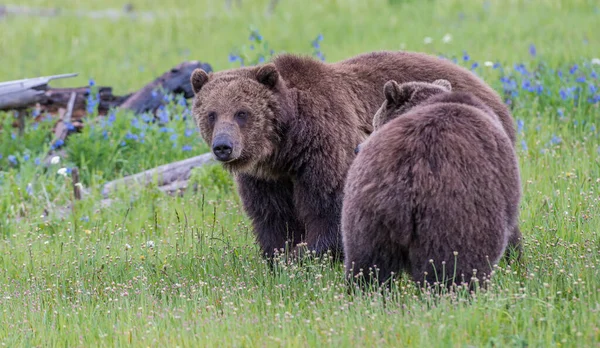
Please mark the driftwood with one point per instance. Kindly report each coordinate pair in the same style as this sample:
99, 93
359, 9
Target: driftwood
175, 81
29, 93
169, 176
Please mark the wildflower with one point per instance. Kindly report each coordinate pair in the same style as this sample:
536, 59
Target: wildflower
447, 38
474, 66
595, 61
58, 143
580, 79
520, 125
92, 82
488, 64
55, 160
85, 219
150, 244
26, 158
13, 136
496, 65
532, 50
188, 133
37, 161
62, 171
173, 137
29, 189
524, 145
123, 143
427, 40
186, 148
112, 117
573, 69
127, 246
12, 159
465, 56
561, 112
555, 140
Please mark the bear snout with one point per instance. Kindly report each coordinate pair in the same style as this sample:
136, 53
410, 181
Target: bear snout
222, 147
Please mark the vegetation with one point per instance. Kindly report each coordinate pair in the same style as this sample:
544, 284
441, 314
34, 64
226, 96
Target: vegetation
151, 269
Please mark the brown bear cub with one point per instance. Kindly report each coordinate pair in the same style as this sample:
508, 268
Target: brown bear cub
287, 130
433, 192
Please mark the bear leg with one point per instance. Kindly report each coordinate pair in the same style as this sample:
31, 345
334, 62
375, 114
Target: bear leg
269, 204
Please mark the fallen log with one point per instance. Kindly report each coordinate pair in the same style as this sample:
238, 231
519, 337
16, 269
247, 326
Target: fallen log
175, 81
164, 175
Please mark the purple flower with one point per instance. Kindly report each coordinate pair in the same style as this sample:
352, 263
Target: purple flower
520, 125
580, 79
532, 50
573, 69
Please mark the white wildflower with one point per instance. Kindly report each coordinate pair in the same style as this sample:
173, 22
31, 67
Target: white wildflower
150, 244
427, 40
62, 171
488, 64
447, 38
596, 61
55, 160
127, 246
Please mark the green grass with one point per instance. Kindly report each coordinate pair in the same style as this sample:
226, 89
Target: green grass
155, 270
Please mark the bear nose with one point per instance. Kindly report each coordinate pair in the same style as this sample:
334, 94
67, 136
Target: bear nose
222, 149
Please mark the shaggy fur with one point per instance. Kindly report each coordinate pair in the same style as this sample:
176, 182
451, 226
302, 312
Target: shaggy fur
439, 175
288, 130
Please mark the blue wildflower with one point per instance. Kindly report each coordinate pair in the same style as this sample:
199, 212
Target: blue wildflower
12, 159
154, 94
465, 56
561, 113
13, 136
520, 125
560, 74
29, 189
35, 125
555, 140
188, 133
594, 75
70, 126
496, 65
524, 144
105, 134
563, 94
26, 157
37, 161
92, 82
123, 143
532, 50
173, 137
163, 115
186, 148
539, 89
85, 218
261, 59
580, 79
593, 128
573, 69
69, 171
474, 66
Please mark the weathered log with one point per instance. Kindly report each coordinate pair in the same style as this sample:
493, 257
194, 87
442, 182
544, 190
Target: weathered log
164, 175
56, 98
175, 81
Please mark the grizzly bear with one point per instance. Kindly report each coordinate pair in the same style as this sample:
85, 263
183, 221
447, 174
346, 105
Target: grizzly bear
287, 131
433, 192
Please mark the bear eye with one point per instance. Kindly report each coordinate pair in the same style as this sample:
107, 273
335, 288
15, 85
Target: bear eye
241, 116
212, 116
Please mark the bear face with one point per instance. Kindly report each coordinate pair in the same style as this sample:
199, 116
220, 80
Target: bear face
399, 99
239, 114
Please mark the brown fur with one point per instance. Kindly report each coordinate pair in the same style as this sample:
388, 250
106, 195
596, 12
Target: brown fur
287, 130
439, 175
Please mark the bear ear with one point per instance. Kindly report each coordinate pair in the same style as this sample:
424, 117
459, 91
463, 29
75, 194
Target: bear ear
268, 75
396, 94
198, 79
443, 83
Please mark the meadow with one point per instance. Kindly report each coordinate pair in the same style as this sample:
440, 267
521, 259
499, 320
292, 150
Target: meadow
156, 270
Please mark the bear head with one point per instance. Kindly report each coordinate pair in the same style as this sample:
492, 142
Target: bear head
400, 98
241, 114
